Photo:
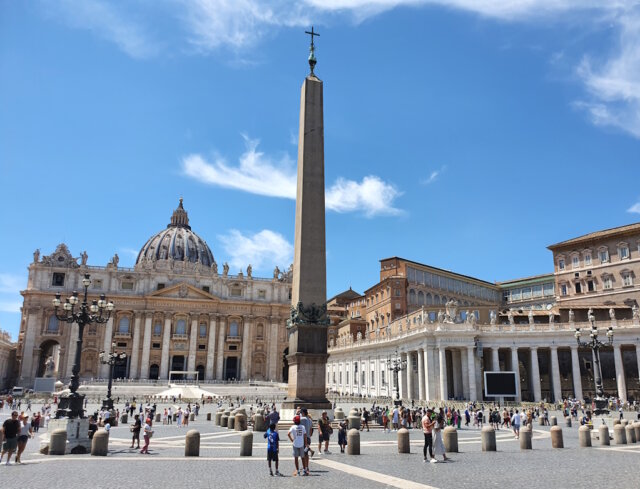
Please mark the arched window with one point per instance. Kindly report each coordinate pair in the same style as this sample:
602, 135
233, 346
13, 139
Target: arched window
429, 299
202, 331
181, 327
123, 325
420, 297
436, 300
260, 331
157, 329
412, 296
53, 326
233, 329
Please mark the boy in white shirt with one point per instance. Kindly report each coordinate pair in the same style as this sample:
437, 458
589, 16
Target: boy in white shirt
298, 436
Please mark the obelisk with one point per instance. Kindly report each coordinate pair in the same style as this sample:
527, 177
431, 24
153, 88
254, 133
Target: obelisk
308, 323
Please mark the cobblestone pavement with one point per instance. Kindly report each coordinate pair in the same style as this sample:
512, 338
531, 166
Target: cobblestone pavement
379, 464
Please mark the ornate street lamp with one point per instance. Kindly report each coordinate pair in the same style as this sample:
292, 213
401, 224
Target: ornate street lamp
396, 364
110, 359
595, 344
70, 405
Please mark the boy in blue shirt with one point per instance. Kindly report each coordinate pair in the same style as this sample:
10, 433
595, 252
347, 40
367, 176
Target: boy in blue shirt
273, 446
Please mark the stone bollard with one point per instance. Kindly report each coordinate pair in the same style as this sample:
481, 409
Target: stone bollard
231, 421
338, 413
567, 421
192, 417
353, 442
636, 427
554, 421
603, 433
624, 422
616, 421
192, 444
584, 436
450, 438
353, 422
541, 420
158, 417
556, 437
630, 433
224, 420
124, 418
240, 423
218, 421
246, 443
526, 439
619, 435
100, 443
403, 441
58, 442
208, 416
259, 423
488, 439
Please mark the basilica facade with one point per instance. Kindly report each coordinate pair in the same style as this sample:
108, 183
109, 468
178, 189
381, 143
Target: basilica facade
175, 311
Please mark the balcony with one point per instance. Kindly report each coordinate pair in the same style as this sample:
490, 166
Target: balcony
179, 336
122, 334
51, 332
234, 339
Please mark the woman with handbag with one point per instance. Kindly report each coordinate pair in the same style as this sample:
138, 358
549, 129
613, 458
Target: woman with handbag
135, 430
148, 432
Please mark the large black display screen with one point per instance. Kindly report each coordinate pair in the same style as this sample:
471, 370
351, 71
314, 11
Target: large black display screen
500, 384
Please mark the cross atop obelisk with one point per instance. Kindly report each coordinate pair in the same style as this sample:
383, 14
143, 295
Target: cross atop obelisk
312, 50
308, 323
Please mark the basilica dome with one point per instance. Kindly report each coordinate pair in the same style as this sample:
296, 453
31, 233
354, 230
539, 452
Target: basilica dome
177, 242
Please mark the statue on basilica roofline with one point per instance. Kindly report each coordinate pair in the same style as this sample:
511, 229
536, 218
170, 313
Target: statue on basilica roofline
36, 256
115, 260
249, 270
214, 267
276, 273
83, 258
225, 269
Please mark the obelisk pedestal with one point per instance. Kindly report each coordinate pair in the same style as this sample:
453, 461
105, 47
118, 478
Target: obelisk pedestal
308, 323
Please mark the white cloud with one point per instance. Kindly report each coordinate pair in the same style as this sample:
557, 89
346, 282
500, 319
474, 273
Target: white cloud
433, 176
255, 173
130, 252
10, 306
372, 197
635, 208
107, 21
262, 250
12, 283
259, 174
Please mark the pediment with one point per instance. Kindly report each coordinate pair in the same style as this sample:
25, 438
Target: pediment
183, 291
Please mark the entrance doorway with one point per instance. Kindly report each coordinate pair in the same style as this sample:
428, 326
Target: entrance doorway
120, 368
200, 369
177, 363
154, 372
231, 368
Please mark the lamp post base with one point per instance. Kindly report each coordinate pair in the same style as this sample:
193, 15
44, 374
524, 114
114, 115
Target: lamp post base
70, 406
107, 404
600, 406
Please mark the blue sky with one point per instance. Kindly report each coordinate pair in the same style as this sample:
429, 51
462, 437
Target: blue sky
465, 134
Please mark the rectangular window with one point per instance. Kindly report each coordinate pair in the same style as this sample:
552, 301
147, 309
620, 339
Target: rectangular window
155, 346
236, 292
202, 347
96, 284
549, 289
587, 259
373, 378
506, 295
537, 291
127, 285
157, 329
121, 344
160, 287
561, 264
627, 281
383, 380
203, 331
206, 288
624, 253
398, 306
604, 256
578, 288
590, 286
608, 283
58, 280
516, 294
563, 289
262, 294
526, 293
575, 261
398, 292
233, 347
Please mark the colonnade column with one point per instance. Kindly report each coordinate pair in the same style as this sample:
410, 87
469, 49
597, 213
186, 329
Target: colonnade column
245, 361
535, 375
401, 383
495, 359
273, 350
471, 360
638, 359
146, 345
430, 373
135, 348
421, 385
106, 346
464, 366
410, 375
166, 343
211, 349
555, 375
575, 373
222, 331
622, 387
515, 366
442, 360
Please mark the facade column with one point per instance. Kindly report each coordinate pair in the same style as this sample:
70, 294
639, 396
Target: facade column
622, 386
421, 384
146, 346
193, 340
34, 325
166, 344
464, 366
245, 361
106, 346
515, 366
555, 375
535, 375
442, 360
211, 349
575, 373
272, 360
221, 334
430, 373
495, 359
410, 375
471, 361
135, 348
456, 373
73, 346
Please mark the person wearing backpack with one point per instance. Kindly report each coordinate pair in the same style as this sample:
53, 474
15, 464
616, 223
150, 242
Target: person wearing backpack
273, 446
